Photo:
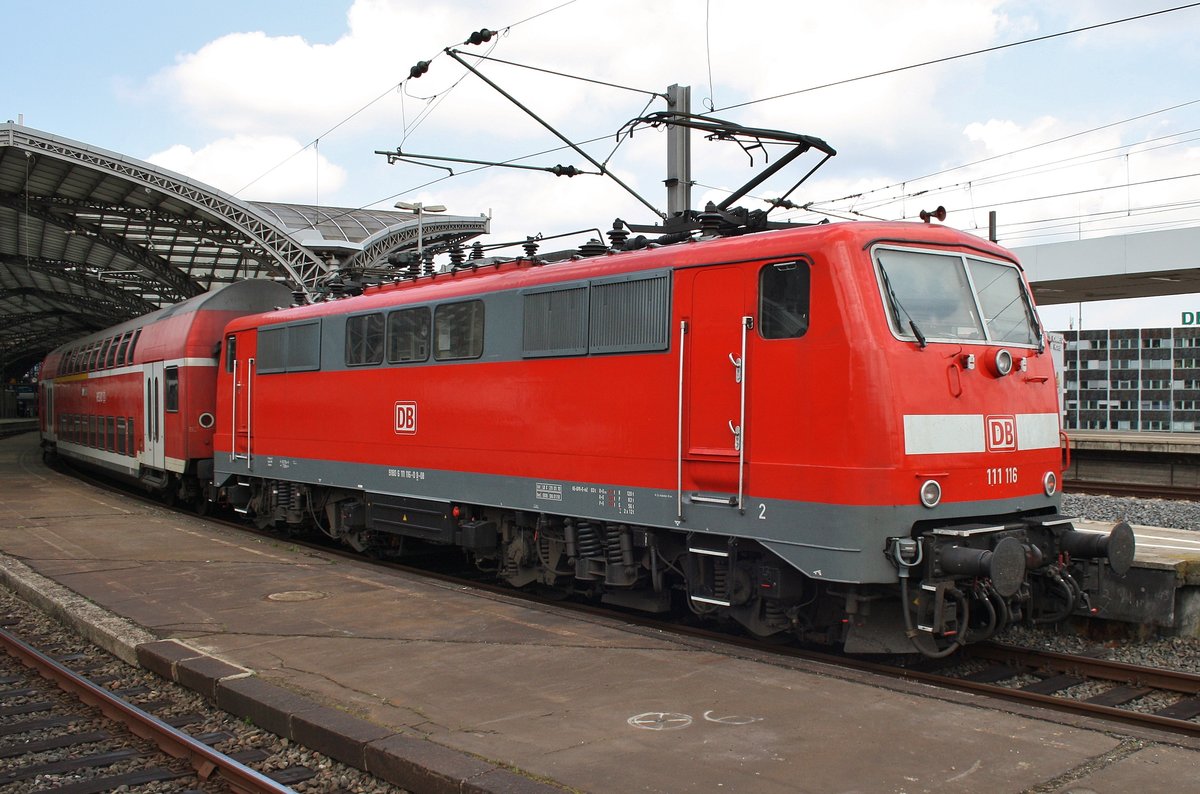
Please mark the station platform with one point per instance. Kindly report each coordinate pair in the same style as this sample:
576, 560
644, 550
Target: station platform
1147, 460
1162, 590
13, 426
442, 688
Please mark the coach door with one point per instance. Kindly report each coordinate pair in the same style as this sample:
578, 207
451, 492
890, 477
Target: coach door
153, 443
712, 393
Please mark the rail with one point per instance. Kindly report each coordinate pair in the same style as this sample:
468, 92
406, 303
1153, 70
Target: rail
206, 761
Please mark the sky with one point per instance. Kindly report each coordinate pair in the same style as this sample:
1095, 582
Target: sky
1067, 137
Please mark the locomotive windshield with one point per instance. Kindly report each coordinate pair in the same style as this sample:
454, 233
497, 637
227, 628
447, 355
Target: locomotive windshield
947, 297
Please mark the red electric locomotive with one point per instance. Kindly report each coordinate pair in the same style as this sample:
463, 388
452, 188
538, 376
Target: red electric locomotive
137, 400
847, 432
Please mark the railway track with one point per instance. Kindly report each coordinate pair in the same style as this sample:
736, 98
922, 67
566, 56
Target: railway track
60, 731
1149, 697
1140, 491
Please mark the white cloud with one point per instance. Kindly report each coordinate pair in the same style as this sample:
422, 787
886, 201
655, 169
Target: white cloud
230, 163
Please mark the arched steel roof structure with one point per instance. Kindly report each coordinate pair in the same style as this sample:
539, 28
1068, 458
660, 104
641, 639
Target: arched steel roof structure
90, 238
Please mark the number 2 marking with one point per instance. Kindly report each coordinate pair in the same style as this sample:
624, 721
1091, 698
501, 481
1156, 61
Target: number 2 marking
762, 511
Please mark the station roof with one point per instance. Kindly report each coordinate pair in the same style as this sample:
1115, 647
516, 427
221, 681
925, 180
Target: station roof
90, 238
1140, 265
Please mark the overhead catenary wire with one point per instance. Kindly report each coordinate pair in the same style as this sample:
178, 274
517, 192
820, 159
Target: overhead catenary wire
1065, 163
1122, 186
392, 88
570, 76
1022, 150
1056, 226
948, 58
1040, 169
710, 101
1180, 223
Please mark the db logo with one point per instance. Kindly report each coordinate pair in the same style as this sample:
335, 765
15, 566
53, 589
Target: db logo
406, 418
1001, 433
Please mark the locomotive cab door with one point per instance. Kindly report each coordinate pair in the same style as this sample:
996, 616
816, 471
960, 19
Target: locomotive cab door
154, 452
713, 388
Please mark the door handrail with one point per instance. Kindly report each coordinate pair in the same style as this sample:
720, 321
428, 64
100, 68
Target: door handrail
743, 370
683, 327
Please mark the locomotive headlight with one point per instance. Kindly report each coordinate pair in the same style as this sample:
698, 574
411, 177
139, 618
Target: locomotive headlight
931, 493
1050, 483
1003, 362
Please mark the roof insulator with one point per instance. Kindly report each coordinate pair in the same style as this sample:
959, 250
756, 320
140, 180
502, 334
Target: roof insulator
477, 250
592, 247
710, 221
617, 235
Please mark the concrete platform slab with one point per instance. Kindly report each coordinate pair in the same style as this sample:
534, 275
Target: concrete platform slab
452, 689
1152, 770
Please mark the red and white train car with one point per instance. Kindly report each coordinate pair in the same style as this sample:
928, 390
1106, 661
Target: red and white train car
138, 399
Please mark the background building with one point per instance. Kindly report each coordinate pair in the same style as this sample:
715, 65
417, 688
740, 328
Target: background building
1132, 379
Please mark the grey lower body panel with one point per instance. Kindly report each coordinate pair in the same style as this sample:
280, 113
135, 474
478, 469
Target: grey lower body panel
829, 542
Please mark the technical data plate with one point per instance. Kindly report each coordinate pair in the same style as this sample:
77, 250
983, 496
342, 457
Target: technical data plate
1143, 595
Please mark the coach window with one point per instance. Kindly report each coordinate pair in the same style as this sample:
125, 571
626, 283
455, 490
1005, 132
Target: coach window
230, 352
111, 358
408, 335
129, 442
171, 385
123, 348
132, 345
783, 291
120, 435
103, 353
364, 340
111, 440
458, 330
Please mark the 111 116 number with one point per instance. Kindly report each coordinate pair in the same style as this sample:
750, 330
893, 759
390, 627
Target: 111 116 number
1002, 476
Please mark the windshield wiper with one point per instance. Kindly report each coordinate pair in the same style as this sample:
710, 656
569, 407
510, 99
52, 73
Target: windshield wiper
897, 308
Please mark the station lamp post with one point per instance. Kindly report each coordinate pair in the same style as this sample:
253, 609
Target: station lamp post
420, 209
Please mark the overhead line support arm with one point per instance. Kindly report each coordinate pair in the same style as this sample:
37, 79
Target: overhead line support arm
603, 170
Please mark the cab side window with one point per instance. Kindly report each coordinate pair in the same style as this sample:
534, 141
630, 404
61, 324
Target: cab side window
783, 300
